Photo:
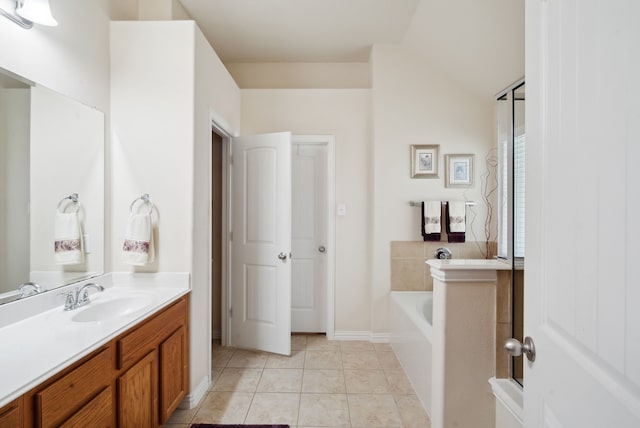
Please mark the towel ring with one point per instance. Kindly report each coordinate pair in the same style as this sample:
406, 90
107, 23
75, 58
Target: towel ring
145, 199
74, 199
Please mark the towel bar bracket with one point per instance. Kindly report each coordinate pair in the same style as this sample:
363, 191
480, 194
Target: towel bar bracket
145, 200
73, 198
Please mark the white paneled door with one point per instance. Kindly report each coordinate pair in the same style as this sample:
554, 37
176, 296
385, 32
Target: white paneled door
261, 243
309, 239
582, 294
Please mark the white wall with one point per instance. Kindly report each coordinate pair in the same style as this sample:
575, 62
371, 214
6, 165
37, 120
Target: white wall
152, 135
216, 98
344, 113
297, 75
415, 104
72, 58
167, 85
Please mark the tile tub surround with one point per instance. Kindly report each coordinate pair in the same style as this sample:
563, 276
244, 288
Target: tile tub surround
52, 333
410, 273
503, 323
363, 387
408, 270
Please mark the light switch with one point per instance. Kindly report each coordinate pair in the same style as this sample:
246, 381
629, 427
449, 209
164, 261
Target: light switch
342, 210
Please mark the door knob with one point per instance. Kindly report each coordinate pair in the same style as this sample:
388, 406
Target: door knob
322, 249
516, 348
283, 257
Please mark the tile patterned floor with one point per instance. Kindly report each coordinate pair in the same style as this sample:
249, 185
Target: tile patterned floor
322, 384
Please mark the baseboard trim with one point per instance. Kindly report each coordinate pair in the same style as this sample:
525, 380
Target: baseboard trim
381, 337
366, 336
193, 398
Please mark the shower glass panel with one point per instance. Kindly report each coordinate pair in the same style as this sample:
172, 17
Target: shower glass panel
511, 207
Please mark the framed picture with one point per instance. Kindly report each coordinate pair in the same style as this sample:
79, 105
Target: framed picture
424, 161
459, 170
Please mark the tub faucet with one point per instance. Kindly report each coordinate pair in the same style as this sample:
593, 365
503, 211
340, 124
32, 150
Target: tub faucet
25, 293
442, 253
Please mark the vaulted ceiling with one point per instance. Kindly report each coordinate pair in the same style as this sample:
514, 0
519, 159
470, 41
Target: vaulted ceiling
479, 43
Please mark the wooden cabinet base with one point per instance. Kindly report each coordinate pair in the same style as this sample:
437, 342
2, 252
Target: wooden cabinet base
136, 380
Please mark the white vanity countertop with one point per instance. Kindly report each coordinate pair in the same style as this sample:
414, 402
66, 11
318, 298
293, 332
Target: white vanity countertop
38, 347
469, 264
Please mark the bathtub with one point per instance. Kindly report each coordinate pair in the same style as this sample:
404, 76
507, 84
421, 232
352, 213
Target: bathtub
411, 339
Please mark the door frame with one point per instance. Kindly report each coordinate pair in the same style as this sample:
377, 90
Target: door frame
329, 141
225, 261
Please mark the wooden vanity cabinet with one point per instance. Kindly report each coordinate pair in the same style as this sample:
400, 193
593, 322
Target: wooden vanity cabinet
136, 380
162, 339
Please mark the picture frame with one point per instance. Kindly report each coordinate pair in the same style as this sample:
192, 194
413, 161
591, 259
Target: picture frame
459, 170
424, 161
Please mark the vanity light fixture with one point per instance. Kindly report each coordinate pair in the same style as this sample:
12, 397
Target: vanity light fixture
27, 12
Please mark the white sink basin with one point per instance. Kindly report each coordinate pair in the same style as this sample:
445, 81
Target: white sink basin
111, 308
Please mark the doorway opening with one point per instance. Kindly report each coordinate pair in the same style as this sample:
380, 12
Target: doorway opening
217, 226
311, 229
320, 151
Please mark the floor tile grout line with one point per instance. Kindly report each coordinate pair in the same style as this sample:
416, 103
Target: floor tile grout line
388, 369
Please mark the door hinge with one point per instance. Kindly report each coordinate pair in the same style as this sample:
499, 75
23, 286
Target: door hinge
231, 236
230, 159
230, 312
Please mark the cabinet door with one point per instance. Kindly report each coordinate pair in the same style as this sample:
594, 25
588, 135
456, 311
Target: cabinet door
10, 415
137, 394
173, 372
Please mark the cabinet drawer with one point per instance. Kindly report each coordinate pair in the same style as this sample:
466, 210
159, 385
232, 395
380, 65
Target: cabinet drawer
65, 396
147, 337
97, 413
10, 415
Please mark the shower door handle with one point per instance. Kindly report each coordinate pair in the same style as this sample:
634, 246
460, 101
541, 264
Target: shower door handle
516, 348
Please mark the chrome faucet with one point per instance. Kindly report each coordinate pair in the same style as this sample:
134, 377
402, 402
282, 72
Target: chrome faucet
25, 293
80, 296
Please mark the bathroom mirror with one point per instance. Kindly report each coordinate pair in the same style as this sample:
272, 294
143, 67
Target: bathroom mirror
50, 148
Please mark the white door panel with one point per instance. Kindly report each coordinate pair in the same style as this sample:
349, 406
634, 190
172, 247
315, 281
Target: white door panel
583, 198
261, 225
309, 238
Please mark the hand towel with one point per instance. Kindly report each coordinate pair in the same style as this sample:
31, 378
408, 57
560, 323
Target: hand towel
431, 214
456, 221
67, 239
138, 248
